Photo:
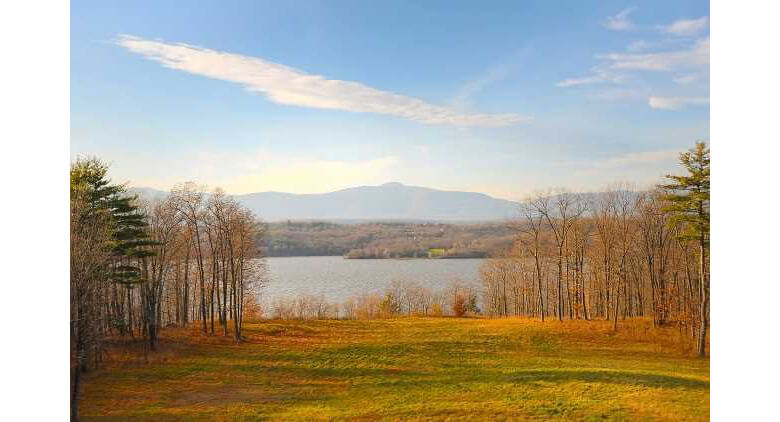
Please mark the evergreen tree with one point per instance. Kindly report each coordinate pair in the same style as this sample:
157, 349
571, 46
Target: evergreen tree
689, 203
130, 234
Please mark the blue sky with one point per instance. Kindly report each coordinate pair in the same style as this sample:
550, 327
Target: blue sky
497, 97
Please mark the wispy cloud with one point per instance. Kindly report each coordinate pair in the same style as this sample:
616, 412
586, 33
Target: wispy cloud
638, 45
618, 94
643, 168
640, 166
286, 85
676, 103
598, 76
686, 79
686, 27
615, 68
494, 74
697, 56
620, 22
637, 158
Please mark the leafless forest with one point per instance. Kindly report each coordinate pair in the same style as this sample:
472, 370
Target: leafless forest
617, 258
620, 256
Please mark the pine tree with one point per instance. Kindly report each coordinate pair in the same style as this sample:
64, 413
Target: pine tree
130, 233
129, 237
689, 203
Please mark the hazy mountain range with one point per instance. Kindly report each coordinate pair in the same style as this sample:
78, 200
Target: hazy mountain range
390, 201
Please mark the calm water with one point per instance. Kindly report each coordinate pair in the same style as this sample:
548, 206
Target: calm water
338, 278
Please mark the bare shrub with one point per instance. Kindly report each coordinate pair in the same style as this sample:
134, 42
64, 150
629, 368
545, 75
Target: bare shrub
460, 305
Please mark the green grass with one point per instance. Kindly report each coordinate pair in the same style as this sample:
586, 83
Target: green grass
409, 368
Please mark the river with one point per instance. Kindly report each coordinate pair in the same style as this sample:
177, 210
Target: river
338, 279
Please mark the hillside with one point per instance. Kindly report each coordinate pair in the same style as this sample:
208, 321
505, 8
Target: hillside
386, 239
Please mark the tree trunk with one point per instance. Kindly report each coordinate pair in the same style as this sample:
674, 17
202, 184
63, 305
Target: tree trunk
211, 307
186, 299
74, 395
705, 301
560, 291
541, 297
617, 303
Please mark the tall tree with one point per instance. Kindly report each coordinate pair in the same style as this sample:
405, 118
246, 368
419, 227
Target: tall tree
90, 256
189, 202
689, 203
563, 214
108, 234
624, 206
164, 227
532, 237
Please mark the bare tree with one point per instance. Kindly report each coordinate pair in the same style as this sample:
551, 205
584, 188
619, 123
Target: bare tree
532, 236
164, 227
188, 200
91, 232
561, 211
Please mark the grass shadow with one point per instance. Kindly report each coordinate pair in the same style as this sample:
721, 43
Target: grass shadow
607, 377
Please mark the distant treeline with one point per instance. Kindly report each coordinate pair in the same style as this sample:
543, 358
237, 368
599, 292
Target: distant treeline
387, 240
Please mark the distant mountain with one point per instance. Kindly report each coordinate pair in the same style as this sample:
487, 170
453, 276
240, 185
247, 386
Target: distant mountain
390, 201
149, 193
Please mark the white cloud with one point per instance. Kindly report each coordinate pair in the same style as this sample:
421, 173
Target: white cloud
685, 27
620, 22
686, 79
598, 76
638, 45
633, 159
643, 168
697, 56
617, 94
494, 74
587, 80
676, 103
285, 85
616, 68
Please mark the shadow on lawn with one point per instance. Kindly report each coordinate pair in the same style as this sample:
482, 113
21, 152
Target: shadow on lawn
443, 362
530, 377
610, 377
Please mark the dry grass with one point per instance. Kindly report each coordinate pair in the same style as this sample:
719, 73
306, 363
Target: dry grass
408, 368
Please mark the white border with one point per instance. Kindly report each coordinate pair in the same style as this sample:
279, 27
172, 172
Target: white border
34, 105
745, 281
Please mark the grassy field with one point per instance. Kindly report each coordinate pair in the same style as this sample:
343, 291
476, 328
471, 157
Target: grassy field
408, 368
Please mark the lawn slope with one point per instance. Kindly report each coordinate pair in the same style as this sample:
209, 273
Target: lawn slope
407, 368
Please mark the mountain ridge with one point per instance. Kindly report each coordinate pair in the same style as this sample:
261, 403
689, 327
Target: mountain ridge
390, 201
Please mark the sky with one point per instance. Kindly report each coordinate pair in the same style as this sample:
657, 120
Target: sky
504, 98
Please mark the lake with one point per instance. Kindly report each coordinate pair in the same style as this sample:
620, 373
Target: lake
339, 279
